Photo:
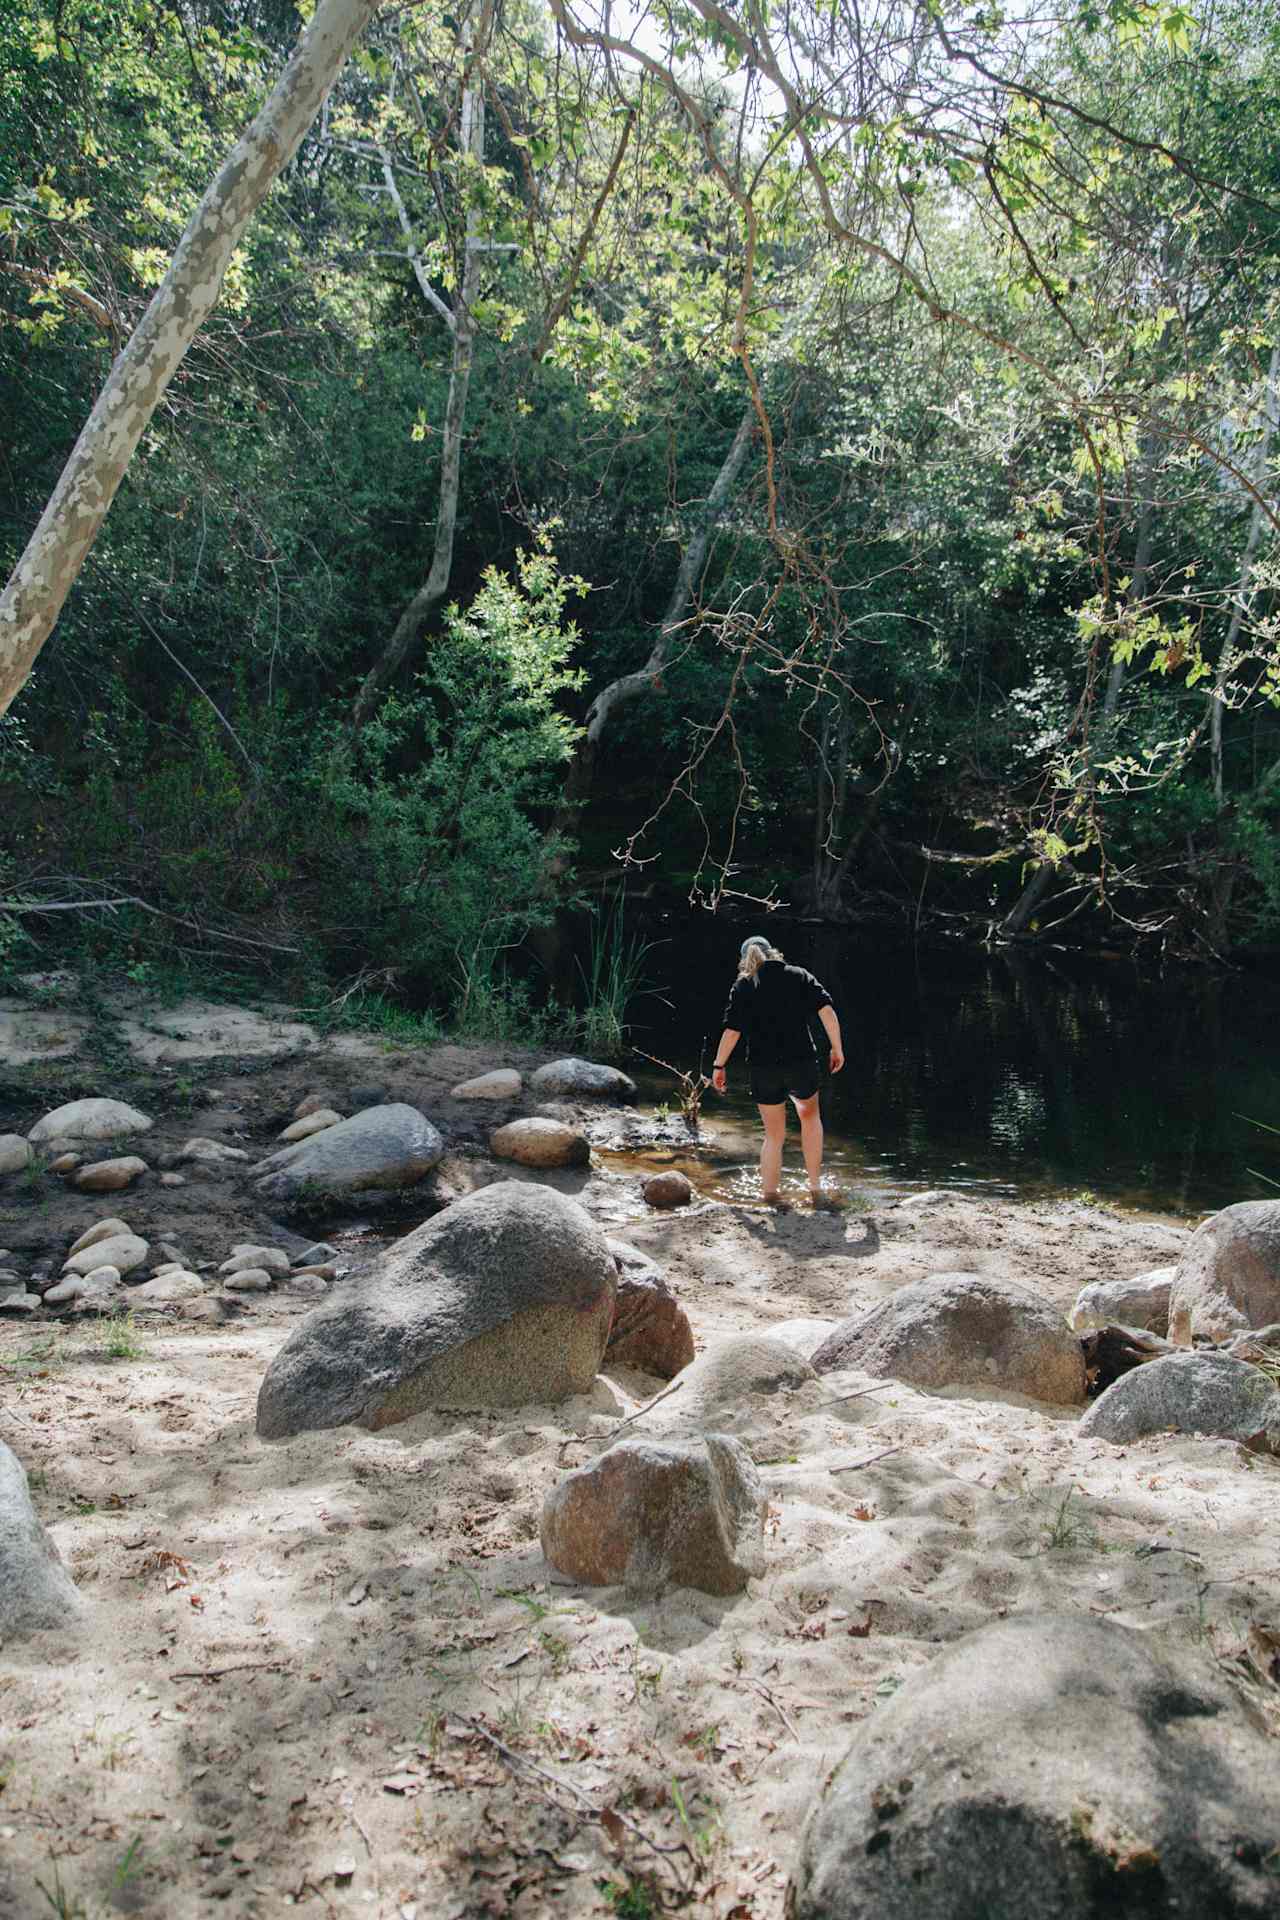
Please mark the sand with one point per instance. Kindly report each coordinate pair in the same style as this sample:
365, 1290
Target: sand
339, 1674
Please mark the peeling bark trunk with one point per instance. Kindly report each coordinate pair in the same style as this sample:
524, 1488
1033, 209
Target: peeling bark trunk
39, 584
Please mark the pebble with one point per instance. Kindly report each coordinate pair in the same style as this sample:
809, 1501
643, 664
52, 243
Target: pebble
173, 1180
109, 1176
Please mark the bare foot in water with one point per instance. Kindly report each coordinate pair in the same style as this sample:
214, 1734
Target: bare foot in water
778, 1202
822, 1202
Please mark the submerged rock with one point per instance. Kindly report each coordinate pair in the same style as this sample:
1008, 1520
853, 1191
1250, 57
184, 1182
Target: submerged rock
503, 1300
963, 1330
1048, 1767
647, 1517
1228, 1280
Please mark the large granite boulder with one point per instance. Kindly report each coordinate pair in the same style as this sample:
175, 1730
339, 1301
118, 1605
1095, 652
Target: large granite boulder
90, 1120
1208, 1393
1141, 1302
963, 1330
505, 1299
650, 1328
582, 1080
1229, 1277
647, 1517
539, 1142
1048, 1767
36, 1591
383, 1147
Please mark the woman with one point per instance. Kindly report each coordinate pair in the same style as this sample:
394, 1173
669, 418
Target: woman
774, 1005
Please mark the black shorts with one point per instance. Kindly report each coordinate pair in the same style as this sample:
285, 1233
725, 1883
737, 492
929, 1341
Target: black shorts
770, 1085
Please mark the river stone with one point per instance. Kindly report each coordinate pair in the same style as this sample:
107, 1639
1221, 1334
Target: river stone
504, 1083
99, 1284
963, 1330
174, 1284
90, 1120
123, 1250
109, 1176
383, 1147
1142, 1302
18, 1300
250, 1280
582, 1079
650, 1328
540, 1143
1229, 1277
669, 1189
199, 1149
1048, 1767
268, 1259
15, 1153
1206, 1393
313, 1103
36, 1591
648, 1517
309, 1123
100, 1230
505, 1299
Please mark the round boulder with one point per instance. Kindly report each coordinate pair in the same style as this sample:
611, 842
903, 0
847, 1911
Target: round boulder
963, 1330
109, 1176
1207, 1393
505, 1299
1229, 1277
1143, 1302
582, 1080
540, 1143
669, 1189
36, 1591
1052, 1766
649, 1517
90, 1120
382, 1147
125, 1251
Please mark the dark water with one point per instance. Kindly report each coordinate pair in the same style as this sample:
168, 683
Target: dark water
1008, 1074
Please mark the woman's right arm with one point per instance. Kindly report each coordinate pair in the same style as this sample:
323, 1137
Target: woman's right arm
728, 1041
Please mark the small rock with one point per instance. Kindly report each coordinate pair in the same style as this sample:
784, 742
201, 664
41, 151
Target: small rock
1143, 1302
670, 1189
1208, 1393
123, 1250
36, 1591
650, 1328
504, 1083
90, 1120
250, 1280
312, 1283
311, 1123
311, 1103
109, 1176
316, 1255
175, 1283
201, 1149
541, 1143
98, 1284
263, 1259
168, 1251
100, 1230
326, 1271
15, 1153
167, 1266
647, 1517
172, 1180
64, 1163
19, 1301
582, 1079
206, 1308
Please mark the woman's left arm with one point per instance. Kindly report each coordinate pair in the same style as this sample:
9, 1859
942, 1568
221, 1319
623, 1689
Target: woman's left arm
831, 1027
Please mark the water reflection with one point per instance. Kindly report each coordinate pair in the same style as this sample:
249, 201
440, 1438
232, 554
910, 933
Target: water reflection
1007, 1073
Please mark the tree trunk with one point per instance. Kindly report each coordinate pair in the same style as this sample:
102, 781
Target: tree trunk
433, 589
33, 598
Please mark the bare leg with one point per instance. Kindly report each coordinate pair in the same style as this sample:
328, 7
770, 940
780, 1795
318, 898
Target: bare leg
810, 1112
774, 1121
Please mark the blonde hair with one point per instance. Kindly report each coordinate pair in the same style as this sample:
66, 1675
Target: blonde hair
757, 952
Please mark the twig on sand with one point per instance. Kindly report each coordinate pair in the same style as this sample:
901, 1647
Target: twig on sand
777, 1705
576, 1439
843, 1399
609, 1817
242, 1666
870, 1461
355, 1820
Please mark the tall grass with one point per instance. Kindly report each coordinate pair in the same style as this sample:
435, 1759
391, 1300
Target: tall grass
612, 978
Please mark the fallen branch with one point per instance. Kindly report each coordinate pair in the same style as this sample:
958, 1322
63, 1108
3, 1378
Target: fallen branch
575, 1439
870, 1461
243, 1666
778, 1708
